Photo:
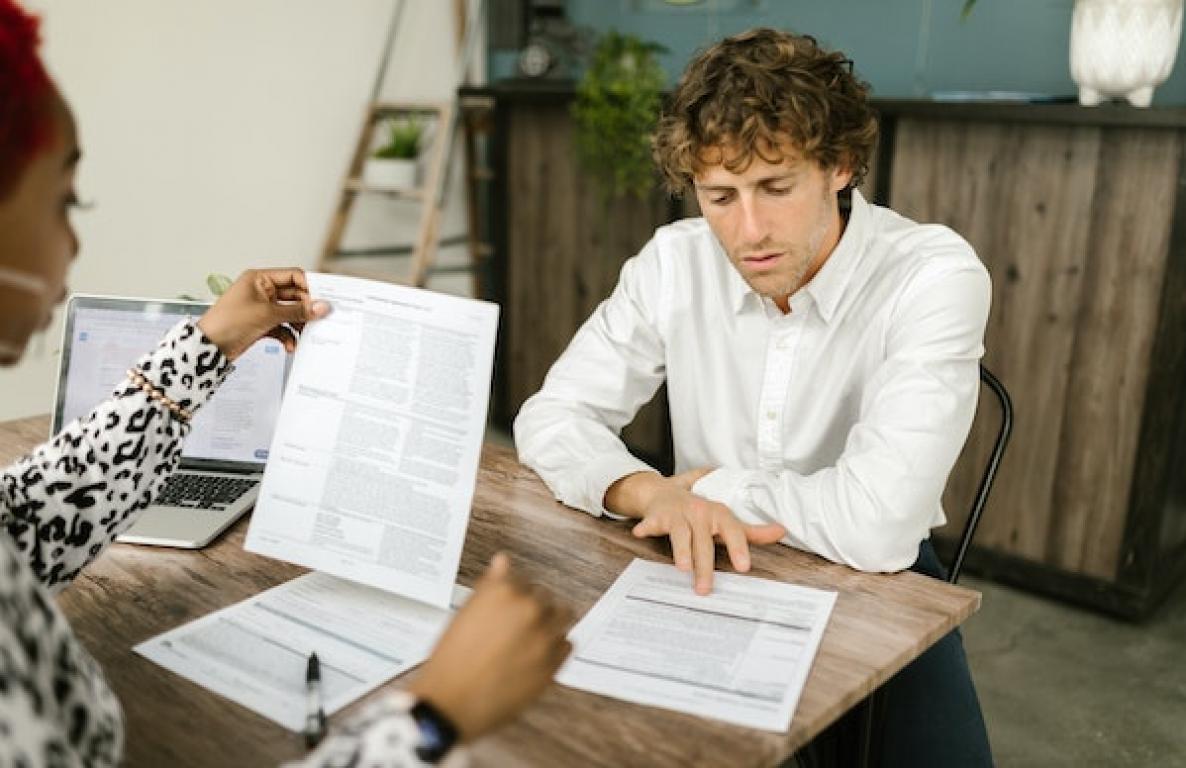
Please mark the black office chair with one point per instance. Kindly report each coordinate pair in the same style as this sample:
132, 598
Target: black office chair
990, 472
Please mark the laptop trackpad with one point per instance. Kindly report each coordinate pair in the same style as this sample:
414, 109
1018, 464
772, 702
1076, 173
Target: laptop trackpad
180, 527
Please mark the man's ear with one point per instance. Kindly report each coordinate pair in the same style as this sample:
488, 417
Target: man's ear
841, 177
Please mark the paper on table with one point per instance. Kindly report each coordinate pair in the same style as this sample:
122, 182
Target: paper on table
372, 467
741, 654
254, 652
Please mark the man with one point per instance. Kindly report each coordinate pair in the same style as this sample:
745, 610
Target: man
820, 353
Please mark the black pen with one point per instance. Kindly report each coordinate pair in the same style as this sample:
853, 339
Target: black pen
314, 713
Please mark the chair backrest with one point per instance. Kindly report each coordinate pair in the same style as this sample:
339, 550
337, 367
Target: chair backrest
990, 471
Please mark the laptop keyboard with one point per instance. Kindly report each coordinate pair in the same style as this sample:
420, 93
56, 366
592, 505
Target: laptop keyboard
204, 491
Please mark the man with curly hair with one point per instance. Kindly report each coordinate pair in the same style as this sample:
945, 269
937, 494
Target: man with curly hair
820, 354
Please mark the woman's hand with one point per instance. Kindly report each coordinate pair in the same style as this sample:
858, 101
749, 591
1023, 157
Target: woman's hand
498, 655
262, 302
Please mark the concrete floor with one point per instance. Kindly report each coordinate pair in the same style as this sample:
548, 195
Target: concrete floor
1061, 686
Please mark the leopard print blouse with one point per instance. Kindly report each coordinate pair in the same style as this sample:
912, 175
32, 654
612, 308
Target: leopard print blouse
59, 507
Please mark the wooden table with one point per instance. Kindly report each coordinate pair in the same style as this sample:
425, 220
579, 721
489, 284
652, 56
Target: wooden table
132, 593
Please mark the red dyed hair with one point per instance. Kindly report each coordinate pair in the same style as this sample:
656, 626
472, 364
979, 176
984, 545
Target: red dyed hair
25, 91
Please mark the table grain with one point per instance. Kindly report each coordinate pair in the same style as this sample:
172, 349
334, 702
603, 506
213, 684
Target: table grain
132, 593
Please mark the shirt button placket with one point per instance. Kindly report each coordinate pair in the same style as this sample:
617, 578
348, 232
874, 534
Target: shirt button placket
777, 377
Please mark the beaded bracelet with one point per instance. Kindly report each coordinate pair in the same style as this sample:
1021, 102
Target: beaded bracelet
138, 378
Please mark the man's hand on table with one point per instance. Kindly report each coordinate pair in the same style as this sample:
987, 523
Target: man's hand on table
667, 507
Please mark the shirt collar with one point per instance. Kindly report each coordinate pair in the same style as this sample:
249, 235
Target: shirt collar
827, 287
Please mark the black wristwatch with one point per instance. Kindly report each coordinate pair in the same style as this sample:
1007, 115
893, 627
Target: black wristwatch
437, 732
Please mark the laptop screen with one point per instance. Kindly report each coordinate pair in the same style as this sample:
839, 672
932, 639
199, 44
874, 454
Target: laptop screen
103, 338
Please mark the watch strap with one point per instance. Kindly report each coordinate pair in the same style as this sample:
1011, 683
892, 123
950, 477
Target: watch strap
438, 734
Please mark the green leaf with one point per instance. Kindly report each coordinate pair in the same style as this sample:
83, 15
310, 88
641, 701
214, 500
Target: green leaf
617, 105
403, 139
967, 11
218, 283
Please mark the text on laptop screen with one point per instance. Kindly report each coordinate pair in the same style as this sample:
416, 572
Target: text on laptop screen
236, 424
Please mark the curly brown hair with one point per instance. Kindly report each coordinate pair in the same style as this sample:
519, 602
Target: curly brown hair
748, 93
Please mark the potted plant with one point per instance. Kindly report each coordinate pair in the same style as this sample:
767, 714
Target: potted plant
393, 165
617, 105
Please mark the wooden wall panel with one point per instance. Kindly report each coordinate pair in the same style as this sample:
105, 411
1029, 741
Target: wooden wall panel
1128, 239
1019, 194
566, 246
1156, 549
1073, 224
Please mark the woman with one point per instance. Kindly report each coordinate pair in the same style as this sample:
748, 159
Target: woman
62, 504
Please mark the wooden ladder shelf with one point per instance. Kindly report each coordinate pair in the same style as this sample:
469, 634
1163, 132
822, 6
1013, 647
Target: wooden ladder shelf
438, 119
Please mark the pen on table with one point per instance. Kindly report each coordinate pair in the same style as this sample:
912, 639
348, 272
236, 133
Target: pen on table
314, 713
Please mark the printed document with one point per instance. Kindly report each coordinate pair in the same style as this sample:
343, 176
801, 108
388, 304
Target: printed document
255, 652
740, 654
372, 467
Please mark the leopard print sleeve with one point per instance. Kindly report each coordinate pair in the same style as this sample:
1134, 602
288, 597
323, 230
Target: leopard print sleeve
64, 502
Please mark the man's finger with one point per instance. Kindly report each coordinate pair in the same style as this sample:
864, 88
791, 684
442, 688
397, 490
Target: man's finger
645, 528
770, 533
732, 533
681, 545
703, 555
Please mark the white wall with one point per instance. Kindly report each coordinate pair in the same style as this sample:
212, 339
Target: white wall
215, 135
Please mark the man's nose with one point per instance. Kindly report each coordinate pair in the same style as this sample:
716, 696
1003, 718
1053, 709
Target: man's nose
753, 230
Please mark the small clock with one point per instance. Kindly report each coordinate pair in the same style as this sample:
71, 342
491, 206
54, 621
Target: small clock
536, 59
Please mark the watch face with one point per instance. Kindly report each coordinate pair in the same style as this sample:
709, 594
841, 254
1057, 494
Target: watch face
535, 60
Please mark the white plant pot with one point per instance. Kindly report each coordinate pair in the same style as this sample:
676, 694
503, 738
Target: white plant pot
389, 173
1123, 48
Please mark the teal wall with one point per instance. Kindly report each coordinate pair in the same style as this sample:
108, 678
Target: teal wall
904, 48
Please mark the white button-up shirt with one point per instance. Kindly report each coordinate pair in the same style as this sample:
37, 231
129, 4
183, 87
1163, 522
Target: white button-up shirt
840, 420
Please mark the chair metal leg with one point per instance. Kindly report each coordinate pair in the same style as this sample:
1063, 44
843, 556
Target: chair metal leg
990, 472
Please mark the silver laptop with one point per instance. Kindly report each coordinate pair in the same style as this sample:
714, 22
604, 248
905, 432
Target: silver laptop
223, 455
